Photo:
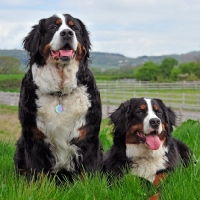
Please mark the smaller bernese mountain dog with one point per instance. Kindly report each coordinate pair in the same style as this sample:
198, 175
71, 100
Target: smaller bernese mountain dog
59, 107
143, 142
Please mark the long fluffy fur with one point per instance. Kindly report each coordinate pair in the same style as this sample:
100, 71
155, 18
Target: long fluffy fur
136, 156
72, 143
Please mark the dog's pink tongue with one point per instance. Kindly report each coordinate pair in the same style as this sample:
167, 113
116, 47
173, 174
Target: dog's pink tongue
62, 53
153, 141
67, 53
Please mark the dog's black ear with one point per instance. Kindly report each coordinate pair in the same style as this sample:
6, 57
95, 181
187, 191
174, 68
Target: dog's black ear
169, 116
85, 38
32, 41
119, 118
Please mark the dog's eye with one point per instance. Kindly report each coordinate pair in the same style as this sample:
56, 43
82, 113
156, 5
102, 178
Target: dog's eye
140, 112
53, 27
158, 112
75, 28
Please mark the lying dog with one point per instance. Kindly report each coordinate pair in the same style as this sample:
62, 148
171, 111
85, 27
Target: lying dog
59, 106
143, 142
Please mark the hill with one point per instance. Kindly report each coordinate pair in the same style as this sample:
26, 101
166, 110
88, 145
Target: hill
106, 60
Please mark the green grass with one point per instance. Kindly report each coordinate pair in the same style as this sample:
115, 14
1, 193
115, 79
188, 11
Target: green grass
5, 109
11, 76
180, 185
10, 82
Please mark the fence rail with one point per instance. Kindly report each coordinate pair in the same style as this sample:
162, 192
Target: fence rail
9, 98
187, 106
131, 84
177, 101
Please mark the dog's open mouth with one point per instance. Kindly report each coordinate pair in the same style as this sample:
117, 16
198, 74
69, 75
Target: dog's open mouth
151, 139
65, 54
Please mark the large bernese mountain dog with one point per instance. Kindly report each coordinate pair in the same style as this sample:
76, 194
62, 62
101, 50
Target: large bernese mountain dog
143, 142
59, 107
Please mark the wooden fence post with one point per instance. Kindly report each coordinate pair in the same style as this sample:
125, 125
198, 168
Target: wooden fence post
116, 83
145, 93
169, 98
146, 85
105, 95
183, 85
195, 85
157, 95
183, 98
114, 93
9, 98
107, 108
134, 93
124, 95
15, 99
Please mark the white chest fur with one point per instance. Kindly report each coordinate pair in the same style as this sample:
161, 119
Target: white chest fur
55, 77
61, 128
146, 162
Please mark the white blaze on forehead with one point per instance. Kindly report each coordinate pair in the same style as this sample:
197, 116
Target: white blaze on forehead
63, 25
150, 114
56, 43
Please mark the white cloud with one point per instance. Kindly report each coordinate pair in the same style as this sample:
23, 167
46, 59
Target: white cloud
133, 28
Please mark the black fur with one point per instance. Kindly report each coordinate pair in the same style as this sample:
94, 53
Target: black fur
116, 162
33, 155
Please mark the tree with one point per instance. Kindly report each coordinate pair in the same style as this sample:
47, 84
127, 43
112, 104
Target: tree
167, 65
196, 70
192, 77
148, 72
9, 65
174, 74
187, 67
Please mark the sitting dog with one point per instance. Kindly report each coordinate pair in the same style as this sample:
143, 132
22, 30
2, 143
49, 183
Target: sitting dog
143, 142
59, 107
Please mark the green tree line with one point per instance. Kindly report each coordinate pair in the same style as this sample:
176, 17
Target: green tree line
168, 70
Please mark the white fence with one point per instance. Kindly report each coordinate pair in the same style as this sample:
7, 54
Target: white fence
183, 101
9, 98
131, 84
187, 106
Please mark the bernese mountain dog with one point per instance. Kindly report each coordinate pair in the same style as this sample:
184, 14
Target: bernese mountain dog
59, 107
143, 142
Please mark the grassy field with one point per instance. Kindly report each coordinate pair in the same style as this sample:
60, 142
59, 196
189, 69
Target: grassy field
11, 76
181, 185
10, 82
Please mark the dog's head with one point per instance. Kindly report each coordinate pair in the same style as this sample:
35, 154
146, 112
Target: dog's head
60, 39
141, 120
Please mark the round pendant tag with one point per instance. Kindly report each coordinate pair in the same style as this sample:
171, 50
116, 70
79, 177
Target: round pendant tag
59, 108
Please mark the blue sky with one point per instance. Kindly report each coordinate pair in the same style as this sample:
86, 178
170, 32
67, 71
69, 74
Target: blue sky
129, 27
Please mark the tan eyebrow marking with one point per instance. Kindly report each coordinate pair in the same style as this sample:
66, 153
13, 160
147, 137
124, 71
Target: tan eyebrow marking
58, 21
155, 107
143, 107
70, 23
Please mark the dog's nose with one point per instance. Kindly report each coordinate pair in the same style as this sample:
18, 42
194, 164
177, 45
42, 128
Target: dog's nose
67, 33
154, 122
